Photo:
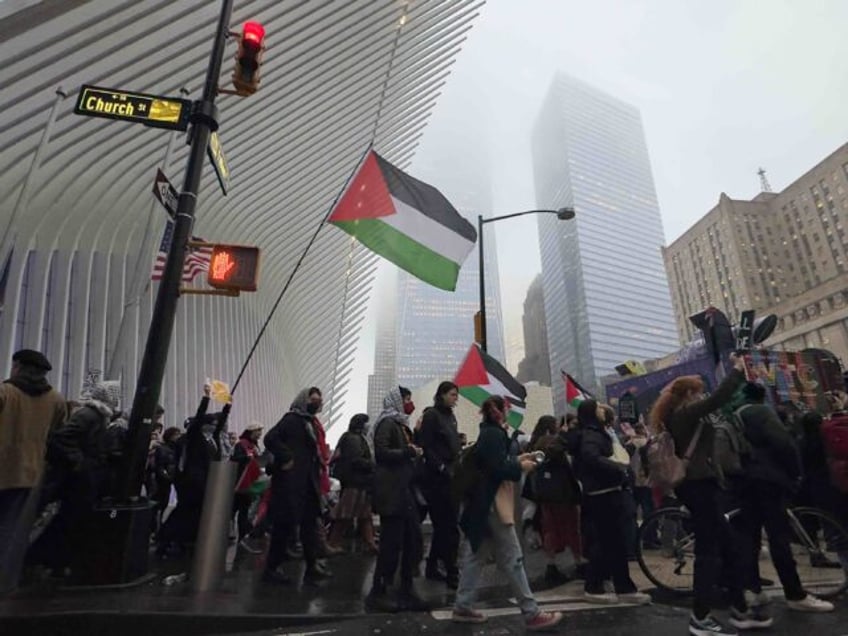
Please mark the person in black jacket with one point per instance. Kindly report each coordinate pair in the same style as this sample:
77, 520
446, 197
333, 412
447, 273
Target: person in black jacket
439, 439
601, 464
295, 488
164, 471
354, 468
773, 475
197, 448
394, 501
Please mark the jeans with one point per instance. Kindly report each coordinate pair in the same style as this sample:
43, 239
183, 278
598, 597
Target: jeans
14, 532
714, 543
444, 515
608, 516
764, 506
503, 542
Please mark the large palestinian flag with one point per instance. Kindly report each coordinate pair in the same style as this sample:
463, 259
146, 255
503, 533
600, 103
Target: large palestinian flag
405, 221
481, 376
574, 393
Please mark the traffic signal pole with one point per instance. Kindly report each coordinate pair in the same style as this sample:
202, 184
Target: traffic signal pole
204, 120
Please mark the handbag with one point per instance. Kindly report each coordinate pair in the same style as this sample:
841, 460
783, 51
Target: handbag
505, 503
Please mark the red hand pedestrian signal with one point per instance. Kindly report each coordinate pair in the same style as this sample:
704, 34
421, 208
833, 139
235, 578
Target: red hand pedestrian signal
234, 267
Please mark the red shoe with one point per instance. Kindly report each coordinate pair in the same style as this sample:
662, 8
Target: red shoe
544, 621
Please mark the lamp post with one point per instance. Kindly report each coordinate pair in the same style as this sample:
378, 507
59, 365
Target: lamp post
563, 214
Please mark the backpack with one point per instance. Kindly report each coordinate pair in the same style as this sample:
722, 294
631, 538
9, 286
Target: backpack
467, 475
731, 449
665, 469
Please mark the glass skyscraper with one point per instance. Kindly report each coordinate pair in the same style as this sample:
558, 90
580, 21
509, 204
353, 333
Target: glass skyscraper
606, 293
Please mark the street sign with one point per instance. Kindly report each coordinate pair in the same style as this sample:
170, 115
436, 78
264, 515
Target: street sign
216, 155
141, 108
165, 193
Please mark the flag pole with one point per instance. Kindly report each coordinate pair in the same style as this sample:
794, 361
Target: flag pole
297, 266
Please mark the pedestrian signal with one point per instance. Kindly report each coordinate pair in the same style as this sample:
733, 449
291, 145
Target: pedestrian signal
249, 58
234, 267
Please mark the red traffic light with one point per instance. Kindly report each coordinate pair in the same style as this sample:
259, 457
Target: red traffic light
234, 267
249, 58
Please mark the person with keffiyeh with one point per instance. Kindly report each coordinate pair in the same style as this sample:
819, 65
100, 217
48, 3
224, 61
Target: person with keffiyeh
296, 487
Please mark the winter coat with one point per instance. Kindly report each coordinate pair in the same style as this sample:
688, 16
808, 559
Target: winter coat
196, 453
298, 489
595, 468
775, 457
29, 411
396, 467
683, 423
497, 464
439, 439
355, 466
558, 466
165, 464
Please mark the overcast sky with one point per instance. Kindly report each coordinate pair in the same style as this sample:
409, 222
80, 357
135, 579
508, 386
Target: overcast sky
724, 87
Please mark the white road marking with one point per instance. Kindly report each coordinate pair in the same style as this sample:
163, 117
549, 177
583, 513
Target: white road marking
575, 605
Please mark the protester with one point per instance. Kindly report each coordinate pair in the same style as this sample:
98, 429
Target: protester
324, 547
164, 472
487, 519
555, 490
773, 475
202, 443
394, 500
602, 467
354, 467
295, 488
683, 410
30, 409
246, 454
439, 440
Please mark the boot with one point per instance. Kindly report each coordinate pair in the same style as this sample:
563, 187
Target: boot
324, 548
366, 529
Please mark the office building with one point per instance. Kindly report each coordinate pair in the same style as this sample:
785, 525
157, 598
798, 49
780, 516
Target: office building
536, 365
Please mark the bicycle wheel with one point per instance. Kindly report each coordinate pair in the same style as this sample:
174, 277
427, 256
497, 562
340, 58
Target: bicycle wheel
666, 550
820, 550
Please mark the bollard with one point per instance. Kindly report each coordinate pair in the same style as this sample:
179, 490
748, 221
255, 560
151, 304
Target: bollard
212, 538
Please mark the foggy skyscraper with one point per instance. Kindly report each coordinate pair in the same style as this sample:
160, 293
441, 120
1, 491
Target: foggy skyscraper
605, 287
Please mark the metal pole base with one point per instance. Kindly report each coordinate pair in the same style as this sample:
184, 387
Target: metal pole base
211, 549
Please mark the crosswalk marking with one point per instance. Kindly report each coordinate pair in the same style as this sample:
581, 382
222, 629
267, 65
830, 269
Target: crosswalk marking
571, 605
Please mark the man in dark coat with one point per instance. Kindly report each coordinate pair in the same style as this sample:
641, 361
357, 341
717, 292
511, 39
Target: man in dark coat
295, 488
394, 501
439, 439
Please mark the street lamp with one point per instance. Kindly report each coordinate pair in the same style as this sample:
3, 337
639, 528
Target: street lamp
563, 214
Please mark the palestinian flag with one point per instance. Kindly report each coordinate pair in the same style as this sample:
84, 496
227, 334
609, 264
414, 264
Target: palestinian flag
574, 393
481, 376
405, 221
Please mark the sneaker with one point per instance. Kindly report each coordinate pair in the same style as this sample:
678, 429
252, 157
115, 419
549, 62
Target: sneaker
463, 615
810, 603
543, 621
708, 626
635, 598
756, 617
606, 598
247, 547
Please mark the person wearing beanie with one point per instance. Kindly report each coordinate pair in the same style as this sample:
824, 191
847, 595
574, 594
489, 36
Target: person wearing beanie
30, 409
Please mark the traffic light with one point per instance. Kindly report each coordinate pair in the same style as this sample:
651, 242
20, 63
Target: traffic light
249, 58
234, 267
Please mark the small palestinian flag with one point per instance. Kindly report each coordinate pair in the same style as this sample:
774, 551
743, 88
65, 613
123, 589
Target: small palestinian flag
481, 376
574, 393
405, 221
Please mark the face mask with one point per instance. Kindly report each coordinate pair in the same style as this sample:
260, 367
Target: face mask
408, 408
312, 408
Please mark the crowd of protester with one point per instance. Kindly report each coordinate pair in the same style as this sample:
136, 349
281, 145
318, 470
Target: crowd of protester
576, 486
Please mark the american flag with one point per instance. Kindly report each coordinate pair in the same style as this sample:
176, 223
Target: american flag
196, 261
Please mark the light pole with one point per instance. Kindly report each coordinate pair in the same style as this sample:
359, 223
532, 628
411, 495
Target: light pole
563, 214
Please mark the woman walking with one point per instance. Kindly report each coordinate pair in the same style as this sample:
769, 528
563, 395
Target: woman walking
487, 519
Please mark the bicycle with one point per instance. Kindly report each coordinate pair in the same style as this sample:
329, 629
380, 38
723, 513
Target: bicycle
666, 550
